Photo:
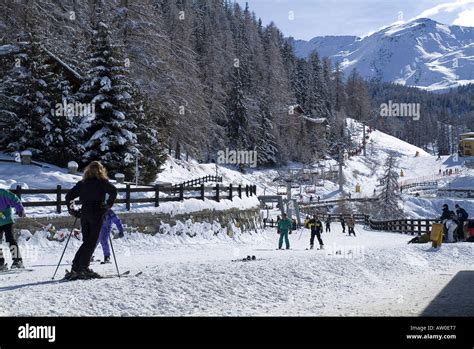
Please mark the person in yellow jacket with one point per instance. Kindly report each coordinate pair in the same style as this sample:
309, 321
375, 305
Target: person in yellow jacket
316, 227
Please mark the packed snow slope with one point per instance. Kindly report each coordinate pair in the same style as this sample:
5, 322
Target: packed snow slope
422, 53
371, 274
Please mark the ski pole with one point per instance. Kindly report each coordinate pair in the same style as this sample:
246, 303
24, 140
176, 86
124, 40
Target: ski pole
115, 258
67, 242
300, 234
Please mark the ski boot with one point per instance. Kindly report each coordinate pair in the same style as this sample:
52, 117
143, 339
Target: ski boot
106, 260
89, 274
17, 264
70, 275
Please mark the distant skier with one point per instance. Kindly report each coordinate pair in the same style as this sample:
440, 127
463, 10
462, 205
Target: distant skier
294, 225
343, 225
316, 227
351, 225
328, 223
284, 227
462, 217
109, 219
8, 200
92, 191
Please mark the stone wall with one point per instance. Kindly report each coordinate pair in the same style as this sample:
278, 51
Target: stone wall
149, 222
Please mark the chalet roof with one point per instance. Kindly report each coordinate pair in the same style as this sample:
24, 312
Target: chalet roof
64, 65
9, 49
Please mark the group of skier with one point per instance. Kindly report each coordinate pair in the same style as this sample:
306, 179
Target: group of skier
453, 222
97, 195
285, 226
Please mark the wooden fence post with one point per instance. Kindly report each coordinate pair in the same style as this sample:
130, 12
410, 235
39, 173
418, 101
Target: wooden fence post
239, 189
246, 190
18, 191
127, 197
181, 192
230, 192
217, 192
58, 199
157, 195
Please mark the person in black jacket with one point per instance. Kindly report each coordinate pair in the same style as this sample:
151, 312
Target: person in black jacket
92, 191
450, 221
316, 229
462, 217
446, 213
328, 223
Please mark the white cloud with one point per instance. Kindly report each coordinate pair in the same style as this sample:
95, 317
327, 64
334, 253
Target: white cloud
465, 18
448, 7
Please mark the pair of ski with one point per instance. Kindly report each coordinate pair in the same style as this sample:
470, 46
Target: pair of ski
14, 270
111, 276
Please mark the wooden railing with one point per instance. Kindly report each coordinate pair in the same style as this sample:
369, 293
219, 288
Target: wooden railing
180, 193
418, 185
198, 181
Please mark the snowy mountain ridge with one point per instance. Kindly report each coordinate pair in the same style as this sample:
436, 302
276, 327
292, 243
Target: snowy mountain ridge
421, 53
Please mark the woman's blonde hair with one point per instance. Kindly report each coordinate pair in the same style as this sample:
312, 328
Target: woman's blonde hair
95, 170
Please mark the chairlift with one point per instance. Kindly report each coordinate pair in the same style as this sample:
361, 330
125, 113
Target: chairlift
281, 190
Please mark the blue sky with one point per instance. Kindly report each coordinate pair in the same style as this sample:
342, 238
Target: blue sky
305, 19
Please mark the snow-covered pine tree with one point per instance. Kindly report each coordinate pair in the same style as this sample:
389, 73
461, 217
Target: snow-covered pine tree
24, 99
62, 129
110, 132
237, 123
389, 192
150, 146
266, 145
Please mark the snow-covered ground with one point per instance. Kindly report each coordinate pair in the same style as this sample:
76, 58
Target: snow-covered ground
371, 274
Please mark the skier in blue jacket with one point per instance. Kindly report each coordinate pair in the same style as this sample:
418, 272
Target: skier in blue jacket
110, 218
8, 200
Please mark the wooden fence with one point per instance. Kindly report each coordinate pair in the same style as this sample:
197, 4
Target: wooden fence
198, 181
180, 193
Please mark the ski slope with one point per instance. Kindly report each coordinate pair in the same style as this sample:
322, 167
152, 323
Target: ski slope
374, 274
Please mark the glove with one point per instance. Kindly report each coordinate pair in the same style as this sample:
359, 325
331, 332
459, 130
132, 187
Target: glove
121, 235
74, 213
21, 213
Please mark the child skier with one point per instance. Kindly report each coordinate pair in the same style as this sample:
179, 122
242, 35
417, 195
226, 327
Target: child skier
8, 200
284, 226
92, 191
109, 219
